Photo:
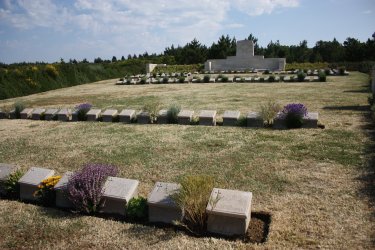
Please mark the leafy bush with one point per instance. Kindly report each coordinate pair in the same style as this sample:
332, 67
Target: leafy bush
271, 78
11, 186
322, 77
181, 79
192, 198
143, 80
172, 113
206, 78
153, 109
268, 112
52, 71
342, 71
327, 71
137, 209
82, 109
301, 76
224, 79
293, 114
242, 121
266, 72
261, 79
46, 194
85, 187
165, 79
18, 107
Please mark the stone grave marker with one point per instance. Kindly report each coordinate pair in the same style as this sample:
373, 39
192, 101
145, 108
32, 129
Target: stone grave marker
230, 118
229, 212
143, 117
256, 79
279, 122
248, 79
26, 113
310, 120
127, 115
185, 117
5, 171
64, 115
62, 200
109, 115
12, 114
37, 113
93, 115
286, 78
30, 181
212, 80
163, 116
117, 193
207, 117
254, 120
161, 207
50, 114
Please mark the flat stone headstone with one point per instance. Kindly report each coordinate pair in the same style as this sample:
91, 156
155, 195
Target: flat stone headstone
37, 113
161, 207
62, 199
143, 117
185, 117
127, 115
109, 115
12, 114
254, 120
50, 114
248, 79
117, 193
286, 78
256, 79
310, 120
2, 114
212, 80
64, 115
279, 122
93, 115
207, 117
229, 212
5, 171
26, 113
230, 118
163, 116
30, 181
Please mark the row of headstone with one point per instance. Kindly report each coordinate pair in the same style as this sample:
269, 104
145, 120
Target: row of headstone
229, 211
184, 117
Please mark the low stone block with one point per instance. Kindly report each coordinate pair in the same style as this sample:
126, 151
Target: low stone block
127, 115
161, 207
93, 115
117, 193
75, 116
62, 200
30, 181
207, 117
5, 171
12, 114
279, 122
185, 117
229, 212
64, 115
212, 80
286, 78
38, 113
248, 79
109, 115
256, 79
163, 116
230, 118
143, 118
50, 114
26, 113
310, 120
254, 120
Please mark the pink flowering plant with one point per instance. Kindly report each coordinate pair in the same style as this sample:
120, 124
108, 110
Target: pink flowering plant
293, 114
85, 187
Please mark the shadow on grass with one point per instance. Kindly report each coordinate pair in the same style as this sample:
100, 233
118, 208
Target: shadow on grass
362, 108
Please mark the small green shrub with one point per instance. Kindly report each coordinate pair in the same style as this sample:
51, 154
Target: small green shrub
242, 121
268, 112
153, 109
327, 71
206, 78
342, 71
224, 79
266, 72
172, 113
271, 78
137, 209
301, 76
192, 198
165, 79
322, 77
11, 186
181, 79
261, 79
18, 107
143, 80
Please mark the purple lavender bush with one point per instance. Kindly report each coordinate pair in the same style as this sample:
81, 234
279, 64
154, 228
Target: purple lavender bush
82, 109
84, 188
293, 114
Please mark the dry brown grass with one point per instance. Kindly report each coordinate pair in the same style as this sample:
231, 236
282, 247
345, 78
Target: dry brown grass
309, 180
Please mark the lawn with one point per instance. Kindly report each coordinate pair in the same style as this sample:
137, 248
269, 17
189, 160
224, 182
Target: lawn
310, 180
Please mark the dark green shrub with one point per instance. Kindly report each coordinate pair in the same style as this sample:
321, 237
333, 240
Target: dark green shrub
266, 72
206, 78
143, 80
342, 71
271, 78
82, 109
322, 77
261, 79
327, 71
172, 113
224, 79
154, 75
18, 107
165, 79
137, 209
242, 121
301, 76
181, 79
11, 186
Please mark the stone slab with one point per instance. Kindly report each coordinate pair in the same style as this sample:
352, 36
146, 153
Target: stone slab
143, 117
230, 118
29, 182
50, 114
109, 115
229, 211
310, 120
185, 117
5, 171
207, 117
279, 122
12, 114
64, 115
26, 113
117, 193
254, 120
161, 207
37, 113
93, 115
127, 115
62, 200
163, 116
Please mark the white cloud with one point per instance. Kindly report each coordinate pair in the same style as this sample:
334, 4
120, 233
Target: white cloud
259, 7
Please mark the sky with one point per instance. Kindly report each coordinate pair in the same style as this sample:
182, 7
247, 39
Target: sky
47, 30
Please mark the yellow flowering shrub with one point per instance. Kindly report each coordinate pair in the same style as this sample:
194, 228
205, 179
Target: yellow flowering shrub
46, 193
52, 71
